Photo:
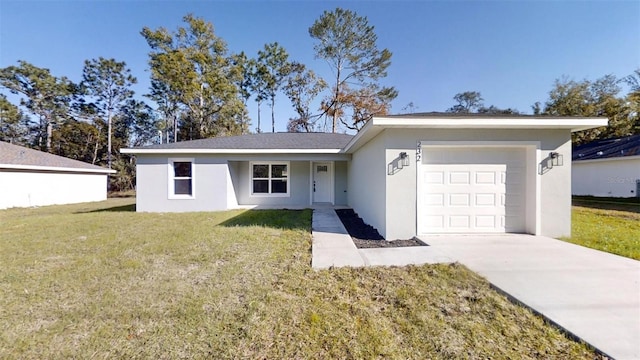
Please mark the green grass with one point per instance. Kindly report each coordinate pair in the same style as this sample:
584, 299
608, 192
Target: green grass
614, 231
100, 281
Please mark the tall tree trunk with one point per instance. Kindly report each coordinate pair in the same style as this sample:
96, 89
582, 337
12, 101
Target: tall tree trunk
259, 116
175, 129
109, 138
49, 135
95, 149
109, 148
334, 126
273, 117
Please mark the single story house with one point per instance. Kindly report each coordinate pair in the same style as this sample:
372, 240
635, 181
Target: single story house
609, 168
405, 175
30, 177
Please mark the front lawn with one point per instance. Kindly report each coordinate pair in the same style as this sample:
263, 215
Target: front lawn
100, 281
613, 231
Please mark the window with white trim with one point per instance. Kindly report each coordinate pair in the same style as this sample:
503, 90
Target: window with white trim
181, 179
269, 178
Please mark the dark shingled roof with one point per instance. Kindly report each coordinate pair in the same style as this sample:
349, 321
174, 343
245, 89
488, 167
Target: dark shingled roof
18, 155
264, 141
608, 148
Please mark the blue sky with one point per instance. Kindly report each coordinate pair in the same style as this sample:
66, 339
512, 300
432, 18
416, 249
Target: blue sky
510, 51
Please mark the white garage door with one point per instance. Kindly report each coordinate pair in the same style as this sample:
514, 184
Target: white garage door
472, 191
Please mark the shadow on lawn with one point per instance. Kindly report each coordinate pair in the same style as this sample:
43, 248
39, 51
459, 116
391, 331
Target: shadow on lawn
279, 219
605, 203
122, 208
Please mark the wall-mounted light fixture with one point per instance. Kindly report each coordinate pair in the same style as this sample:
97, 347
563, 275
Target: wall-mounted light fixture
404, 159
398, 163
556, 158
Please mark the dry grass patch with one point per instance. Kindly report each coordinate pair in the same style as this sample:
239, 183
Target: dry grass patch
97, 280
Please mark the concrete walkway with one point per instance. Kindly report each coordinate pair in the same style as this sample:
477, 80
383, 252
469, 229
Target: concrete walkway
332, 245
591, 294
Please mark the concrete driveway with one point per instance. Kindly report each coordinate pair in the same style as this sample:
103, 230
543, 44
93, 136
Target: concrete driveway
592, 294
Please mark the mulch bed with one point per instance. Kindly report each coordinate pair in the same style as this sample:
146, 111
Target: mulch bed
366, 236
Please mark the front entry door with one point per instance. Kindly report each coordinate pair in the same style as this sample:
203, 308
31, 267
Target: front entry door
321, 182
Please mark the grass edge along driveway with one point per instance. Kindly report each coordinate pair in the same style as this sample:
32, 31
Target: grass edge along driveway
98, 280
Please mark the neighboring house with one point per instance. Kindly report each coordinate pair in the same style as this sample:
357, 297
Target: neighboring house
405, 175
34, 178
609, 168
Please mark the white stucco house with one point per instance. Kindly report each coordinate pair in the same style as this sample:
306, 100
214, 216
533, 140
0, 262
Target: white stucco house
405, 175
30, 177
609, 168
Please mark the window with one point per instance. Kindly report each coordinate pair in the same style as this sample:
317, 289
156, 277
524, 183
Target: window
181, 179
269, 179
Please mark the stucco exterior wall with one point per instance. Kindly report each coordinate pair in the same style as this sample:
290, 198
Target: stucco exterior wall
367, 183
298, 186
341, 183
614, 177
400, 188
223, 181
210, 184
29, 188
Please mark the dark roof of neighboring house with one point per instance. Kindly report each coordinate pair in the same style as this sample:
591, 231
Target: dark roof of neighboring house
18, 156
608, 148
264, 141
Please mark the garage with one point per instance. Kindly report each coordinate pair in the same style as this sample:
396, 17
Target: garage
472, 190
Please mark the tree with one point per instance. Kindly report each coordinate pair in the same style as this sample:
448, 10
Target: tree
77, 140
192, 66
45, 96
139, 122
168, 106
13, 123
633, 99
245, 69
301, 88
275, 67
467, 102
497, 111
348, 43
591, 98
108, 82
365, 103
259, 87
471, 102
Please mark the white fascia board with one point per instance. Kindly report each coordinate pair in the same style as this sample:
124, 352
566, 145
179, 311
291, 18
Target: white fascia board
53, 168
368, 132
378, 124
574, 124
230, 151
619, 158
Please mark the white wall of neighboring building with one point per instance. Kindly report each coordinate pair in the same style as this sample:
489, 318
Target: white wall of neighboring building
29, 188
612, 177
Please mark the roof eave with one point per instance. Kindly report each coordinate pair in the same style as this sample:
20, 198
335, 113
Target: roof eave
55, 168
613, 158
378, 124
228, 151
573, 124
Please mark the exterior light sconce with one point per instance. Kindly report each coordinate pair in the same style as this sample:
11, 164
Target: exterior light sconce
404, 159
398, 163
556, 159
